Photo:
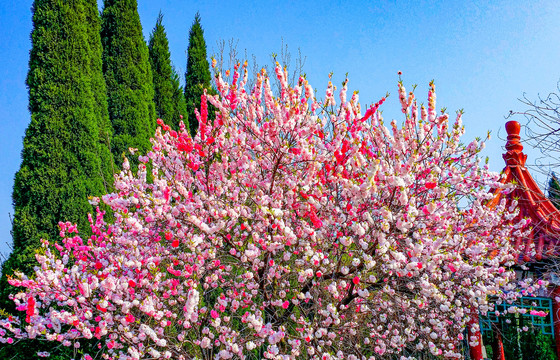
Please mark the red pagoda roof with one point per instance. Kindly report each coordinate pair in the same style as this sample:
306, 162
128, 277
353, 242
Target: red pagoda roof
532, 203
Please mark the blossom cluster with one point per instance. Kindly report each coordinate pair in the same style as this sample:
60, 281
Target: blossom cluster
288, 228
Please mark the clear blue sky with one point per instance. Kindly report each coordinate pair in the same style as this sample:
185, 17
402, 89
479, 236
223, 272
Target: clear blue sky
483, 55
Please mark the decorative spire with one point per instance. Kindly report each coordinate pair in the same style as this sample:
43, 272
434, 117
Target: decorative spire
514, 155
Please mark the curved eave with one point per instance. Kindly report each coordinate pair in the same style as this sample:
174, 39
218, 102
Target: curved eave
532, 204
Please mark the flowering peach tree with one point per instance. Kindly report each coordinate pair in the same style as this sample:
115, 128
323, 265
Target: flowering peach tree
289, 228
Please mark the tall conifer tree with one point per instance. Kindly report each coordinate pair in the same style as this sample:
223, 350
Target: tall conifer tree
197, 76
99, 88
168, 95
128, 76
61, 163
63, 159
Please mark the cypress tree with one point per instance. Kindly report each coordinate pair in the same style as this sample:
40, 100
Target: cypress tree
179, 99
168, 95
63, 159
99, 87
197, 76
128, 76
554, 191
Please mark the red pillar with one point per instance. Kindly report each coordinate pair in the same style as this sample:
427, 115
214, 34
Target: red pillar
475, 351
498, 345
556, 318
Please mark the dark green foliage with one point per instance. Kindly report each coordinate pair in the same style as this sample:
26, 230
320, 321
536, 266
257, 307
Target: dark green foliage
63, 159
99, 89
168, 94
128, 76
178, 98
197, 76
528, 345
554, 191
518, 344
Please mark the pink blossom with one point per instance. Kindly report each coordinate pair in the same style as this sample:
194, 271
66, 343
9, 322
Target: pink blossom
284, 212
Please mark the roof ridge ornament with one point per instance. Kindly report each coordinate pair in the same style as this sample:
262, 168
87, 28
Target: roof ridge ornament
514, 155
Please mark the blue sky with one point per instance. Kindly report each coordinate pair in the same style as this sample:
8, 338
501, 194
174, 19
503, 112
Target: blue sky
483, 56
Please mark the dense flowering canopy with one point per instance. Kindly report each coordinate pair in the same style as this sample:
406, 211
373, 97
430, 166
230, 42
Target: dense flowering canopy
288, 228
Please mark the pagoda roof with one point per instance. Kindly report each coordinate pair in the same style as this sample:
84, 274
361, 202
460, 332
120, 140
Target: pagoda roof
532, 203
